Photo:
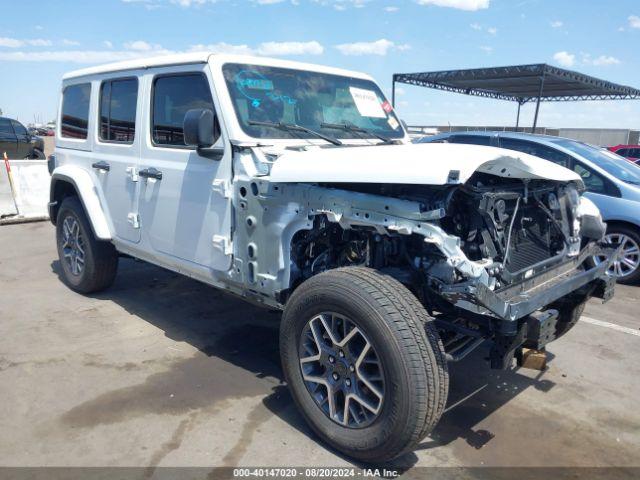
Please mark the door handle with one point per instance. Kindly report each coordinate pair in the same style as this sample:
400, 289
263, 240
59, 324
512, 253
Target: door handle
151, 173
101, 166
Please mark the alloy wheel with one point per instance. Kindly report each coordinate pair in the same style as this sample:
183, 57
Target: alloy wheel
627, 261
73, 245
341, 370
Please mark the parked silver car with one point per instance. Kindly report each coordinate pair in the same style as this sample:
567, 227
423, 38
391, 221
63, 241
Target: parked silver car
612, 183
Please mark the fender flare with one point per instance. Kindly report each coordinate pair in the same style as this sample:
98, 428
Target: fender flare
88, 195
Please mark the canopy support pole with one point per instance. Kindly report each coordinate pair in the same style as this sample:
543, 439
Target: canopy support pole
518, 114
535, 117
393, 92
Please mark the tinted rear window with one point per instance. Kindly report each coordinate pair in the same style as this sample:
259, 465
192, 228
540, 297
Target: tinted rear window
470, 139
5, 126
118, 101
75, 111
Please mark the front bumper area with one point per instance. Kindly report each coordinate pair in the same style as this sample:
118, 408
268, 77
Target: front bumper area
519, 300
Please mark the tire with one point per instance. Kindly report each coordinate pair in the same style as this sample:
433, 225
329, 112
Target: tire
36, 155
98, 269
402, 338
633, 236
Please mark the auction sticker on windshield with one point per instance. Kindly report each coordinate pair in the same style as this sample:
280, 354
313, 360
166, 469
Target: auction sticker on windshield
367, 103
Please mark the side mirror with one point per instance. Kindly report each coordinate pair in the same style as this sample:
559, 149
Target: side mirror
201, 130
198, 128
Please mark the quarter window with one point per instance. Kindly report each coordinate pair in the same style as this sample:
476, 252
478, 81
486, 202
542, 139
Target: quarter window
75, 111
118, 101
173, 97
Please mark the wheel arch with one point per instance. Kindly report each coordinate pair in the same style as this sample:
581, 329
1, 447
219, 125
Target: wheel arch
72, 181
623, 223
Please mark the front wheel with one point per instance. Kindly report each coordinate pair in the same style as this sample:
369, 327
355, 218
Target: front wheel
626, 265
364, 362
36, 155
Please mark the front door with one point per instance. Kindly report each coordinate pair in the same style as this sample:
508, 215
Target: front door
116, 152
185, 210
23, 140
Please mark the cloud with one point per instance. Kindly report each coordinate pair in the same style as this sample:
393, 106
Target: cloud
290, 48
341, 5
476, 26
70, 43
391, 9
556, 24
486, 49
601, 61
469, 5
634, 21
70, 56
10, 42
565, 59
107, 44
265, 48
492, 30
142, 46
379, 47
17, 43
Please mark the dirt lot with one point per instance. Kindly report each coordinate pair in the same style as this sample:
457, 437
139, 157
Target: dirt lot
161, 370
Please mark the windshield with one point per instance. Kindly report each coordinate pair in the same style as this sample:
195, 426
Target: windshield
611, 163
312, 100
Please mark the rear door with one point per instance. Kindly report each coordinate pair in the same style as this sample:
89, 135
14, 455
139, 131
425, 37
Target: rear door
8, 143
23, 145
116, 151
185, 207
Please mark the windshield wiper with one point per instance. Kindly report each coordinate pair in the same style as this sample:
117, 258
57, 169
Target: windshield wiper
356, 129
296, 128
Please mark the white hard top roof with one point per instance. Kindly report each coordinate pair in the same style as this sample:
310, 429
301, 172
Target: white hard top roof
204, 57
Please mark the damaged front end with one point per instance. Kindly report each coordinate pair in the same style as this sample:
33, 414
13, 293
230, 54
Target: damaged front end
489, 259
495, 253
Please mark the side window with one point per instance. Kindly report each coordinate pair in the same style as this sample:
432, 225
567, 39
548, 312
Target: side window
594, 182
634, 153
470, 139
5, 127
623, 152
75, 111
537, 150
18, 128
118, 101
172, 97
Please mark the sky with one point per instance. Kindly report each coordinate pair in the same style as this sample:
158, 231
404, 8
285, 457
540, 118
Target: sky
41, 40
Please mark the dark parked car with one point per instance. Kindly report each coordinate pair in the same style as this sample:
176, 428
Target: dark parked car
18, 142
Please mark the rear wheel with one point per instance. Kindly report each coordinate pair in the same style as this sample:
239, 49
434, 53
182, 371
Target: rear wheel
364, 363
87, 264
626, 265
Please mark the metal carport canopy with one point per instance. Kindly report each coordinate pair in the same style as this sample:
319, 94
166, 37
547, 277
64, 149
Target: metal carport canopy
520, 83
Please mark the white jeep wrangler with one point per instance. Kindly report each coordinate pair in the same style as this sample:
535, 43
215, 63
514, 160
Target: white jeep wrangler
295, 186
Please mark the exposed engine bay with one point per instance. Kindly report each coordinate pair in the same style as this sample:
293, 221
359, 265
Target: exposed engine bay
516, 228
